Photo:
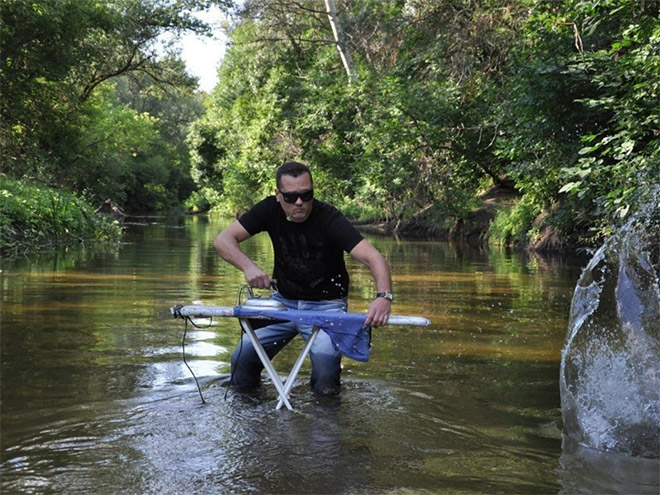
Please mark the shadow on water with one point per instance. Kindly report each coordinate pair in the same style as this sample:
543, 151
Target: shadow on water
586, 470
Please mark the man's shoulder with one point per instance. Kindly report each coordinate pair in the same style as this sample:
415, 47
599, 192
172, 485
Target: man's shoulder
337, 227
266, 204
331, 216
326, 209
268, 200
259, 217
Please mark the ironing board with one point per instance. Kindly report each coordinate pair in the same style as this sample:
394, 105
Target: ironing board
320, 320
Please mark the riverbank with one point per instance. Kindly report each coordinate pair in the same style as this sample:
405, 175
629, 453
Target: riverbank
34, 218
499, 218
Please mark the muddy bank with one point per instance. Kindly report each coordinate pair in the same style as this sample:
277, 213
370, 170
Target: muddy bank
474, 229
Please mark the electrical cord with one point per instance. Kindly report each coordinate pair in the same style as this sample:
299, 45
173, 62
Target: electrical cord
183, 352
177, 312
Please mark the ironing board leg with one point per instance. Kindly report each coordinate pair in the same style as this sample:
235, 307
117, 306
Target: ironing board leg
261, 352
288, 383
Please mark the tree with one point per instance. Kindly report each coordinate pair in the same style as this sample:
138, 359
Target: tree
581, 122
556, 101
133, 150
392, 139
338, 34
57, 58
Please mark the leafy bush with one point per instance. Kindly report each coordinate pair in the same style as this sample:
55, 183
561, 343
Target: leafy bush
513, 225
33, 217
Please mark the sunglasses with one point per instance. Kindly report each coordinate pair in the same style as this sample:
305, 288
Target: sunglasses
292, 197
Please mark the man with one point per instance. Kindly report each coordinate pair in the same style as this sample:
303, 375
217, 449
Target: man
309, 238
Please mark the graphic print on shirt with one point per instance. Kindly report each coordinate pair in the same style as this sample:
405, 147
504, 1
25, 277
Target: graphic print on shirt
303, 263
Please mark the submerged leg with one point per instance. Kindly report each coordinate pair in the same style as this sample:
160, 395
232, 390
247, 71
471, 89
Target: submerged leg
246, 367
326, 360
326, 366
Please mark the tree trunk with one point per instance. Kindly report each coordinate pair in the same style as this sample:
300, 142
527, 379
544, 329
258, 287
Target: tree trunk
339, 39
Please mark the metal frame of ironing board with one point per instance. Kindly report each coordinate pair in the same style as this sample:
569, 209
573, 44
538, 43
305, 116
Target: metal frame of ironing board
283, 388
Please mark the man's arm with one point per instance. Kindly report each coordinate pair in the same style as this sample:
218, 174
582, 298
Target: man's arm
227, 245
380, 308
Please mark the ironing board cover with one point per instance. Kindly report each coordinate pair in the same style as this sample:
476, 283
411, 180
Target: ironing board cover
346, 330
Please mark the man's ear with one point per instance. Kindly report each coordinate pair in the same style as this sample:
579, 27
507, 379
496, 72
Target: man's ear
277, 195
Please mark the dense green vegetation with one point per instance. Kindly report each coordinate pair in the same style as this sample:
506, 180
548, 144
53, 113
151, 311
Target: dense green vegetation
94, 104
431, 105
38, 217
557, 101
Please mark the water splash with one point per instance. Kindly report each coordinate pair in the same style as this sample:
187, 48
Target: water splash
610, 368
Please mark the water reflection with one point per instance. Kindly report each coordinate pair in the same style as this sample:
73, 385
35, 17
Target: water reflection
96, 398
585, 470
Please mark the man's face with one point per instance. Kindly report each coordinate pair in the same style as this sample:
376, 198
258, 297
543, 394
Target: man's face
293, 187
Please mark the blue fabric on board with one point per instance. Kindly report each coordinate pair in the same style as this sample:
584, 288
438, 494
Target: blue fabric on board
346, 330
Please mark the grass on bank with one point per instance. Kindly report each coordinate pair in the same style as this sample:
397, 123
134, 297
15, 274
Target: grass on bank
35, 217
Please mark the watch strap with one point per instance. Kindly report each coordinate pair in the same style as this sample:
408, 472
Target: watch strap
385, 294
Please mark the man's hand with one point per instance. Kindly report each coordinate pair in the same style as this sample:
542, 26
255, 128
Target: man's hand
257, 278
379, 312
379, 309
227, 245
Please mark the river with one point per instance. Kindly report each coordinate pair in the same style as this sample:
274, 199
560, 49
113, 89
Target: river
96, 397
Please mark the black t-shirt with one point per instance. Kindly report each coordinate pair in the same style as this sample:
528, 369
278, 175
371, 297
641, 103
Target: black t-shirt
309, 256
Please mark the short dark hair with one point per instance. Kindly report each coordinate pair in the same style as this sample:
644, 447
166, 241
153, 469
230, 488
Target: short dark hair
294, 169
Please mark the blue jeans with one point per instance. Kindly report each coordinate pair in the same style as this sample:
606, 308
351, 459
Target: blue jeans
326, 361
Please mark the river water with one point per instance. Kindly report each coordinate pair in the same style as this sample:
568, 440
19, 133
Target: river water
96, 397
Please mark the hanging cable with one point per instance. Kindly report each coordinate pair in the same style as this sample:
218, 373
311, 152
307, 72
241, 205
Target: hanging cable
183, 352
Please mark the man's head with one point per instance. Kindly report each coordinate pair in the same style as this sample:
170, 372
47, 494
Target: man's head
294, 169
295, 191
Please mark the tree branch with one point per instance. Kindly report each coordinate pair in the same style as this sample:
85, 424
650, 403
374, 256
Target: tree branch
344, 54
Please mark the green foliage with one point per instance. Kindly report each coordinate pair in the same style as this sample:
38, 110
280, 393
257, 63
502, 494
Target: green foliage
34, 217
513, 225
243, 132
90, 106
407, 160
619, 161
557, 100
583, 117
393, 142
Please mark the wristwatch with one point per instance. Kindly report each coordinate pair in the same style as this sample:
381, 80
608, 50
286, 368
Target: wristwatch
386, 295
